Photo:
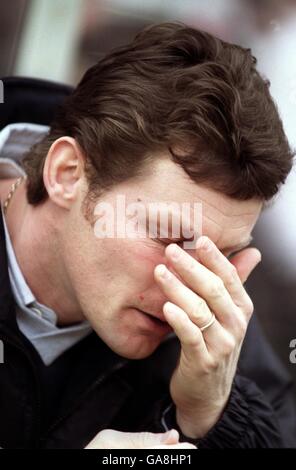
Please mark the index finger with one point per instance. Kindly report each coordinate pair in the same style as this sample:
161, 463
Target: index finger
231, 272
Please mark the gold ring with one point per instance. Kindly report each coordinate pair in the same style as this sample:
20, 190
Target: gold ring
203, 328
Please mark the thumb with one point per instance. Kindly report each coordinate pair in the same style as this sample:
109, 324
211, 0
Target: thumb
245, 262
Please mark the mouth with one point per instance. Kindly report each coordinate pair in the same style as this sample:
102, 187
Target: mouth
156, 322
158, 318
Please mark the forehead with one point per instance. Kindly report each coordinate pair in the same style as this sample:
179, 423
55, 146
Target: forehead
225, 220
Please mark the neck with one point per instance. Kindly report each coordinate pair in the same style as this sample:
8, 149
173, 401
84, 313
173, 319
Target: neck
35, 240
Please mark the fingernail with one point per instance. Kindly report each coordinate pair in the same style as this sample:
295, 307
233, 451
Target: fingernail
162, 271
170, 434
174, 252
165, 436
204, 244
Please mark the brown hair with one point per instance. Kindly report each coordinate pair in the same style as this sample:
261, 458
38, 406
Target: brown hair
173, 87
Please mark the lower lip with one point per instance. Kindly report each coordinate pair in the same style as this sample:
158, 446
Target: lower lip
155, 324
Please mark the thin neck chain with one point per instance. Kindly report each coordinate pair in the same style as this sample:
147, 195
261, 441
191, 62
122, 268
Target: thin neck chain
11, 192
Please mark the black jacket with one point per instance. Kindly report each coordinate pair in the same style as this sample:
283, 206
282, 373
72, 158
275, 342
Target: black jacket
90, 388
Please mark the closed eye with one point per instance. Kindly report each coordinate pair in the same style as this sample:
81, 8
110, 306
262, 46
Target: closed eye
233, 253
167, 241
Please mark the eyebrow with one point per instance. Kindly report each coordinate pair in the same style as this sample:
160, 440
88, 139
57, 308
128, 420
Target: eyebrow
240, 246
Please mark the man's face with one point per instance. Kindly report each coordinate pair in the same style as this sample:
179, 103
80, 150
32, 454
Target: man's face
112, 278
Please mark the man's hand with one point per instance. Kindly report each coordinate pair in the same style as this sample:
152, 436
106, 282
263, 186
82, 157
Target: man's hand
110, 439
202, 285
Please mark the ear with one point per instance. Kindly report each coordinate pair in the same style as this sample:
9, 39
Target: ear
63, 171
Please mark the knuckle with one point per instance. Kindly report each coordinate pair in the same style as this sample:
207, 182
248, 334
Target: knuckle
216, 288
229, 345
197, 312
104, 437
233, 270
241, 327
106, 433
232, 276
211, 366
248, 308
190, 266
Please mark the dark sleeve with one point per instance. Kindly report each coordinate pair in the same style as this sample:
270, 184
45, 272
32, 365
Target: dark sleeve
260, 412
259, 363
248, 421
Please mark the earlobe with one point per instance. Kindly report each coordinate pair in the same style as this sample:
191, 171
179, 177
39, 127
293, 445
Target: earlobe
63, 171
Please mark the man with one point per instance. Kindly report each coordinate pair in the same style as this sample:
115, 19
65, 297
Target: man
112, 340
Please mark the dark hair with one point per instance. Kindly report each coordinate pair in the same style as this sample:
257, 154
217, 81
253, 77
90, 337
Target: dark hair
173, 87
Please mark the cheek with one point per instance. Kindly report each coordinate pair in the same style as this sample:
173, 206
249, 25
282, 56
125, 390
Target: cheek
147, 256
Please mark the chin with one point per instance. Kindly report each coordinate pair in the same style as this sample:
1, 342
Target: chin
136, 350
137, 355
